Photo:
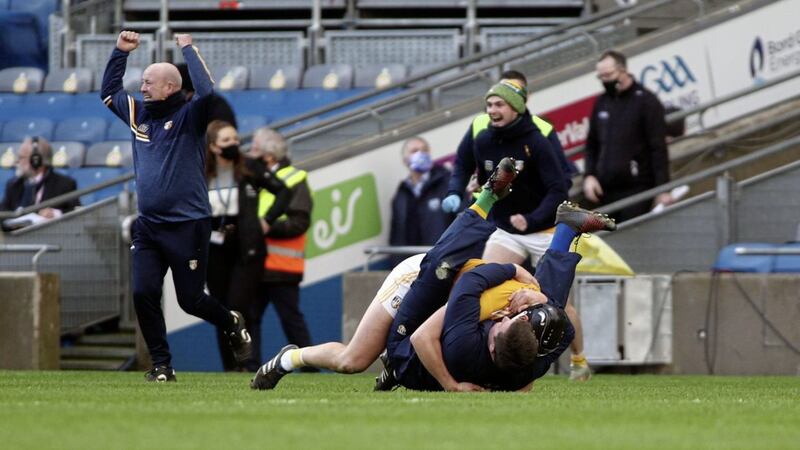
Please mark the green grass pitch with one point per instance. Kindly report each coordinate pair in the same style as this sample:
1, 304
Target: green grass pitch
101, 410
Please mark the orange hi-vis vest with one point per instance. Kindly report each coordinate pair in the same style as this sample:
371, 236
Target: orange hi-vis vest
284, 255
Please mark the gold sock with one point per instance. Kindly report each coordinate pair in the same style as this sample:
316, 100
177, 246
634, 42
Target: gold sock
296, 357
579, 360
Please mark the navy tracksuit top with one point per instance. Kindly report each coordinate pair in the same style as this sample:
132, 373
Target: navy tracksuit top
169, 151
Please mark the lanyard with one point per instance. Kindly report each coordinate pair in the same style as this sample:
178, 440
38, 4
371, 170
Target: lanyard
225, 203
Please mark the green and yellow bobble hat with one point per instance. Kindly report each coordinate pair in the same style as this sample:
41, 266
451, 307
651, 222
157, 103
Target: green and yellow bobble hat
512, 92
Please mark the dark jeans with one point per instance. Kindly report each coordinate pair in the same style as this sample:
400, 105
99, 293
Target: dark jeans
235, 283
182, 247
286, 298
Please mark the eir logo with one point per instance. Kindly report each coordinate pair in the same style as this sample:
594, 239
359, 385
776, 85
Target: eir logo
667, 75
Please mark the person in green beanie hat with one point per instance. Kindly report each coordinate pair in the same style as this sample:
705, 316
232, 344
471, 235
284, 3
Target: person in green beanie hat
526, 236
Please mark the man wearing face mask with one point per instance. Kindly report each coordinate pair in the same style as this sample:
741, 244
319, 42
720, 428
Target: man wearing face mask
417, 215
284, 265
35, 181
174, 224
626, 150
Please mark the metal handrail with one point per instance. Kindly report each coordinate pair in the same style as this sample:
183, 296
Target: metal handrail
776, 251
374, 250
703, 174
40, 249
66, 197
492, 59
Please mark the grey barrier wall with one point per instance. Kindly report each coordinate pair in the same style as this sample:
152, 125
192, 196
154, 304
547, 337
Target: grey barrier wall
736, 324
89, 264
249, 48
688, 236
29, 321
93, 51
414, 47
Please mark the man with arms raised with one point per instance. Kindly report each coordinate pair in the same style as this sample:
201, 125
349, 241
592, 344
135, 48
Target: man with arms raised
174, 224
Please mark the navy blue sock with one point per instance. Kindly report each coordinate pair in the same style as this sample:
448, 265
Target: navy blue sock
562, 238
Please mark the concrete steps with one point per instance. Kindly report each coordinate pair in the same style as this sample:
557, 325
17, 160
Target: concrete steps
104, 351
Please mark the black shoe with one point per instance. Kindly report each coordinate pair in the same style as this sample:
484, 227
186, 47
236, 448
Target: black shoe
499, 181
582, 220
239, 339
269, 374
160, 374
386, 380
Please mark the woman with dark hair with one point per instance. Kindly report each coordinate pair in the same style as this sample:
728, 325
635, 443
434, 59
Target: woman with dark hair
237, 250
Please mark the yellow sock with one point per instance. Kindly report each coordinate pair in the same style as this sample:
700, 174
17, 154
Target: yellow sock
297, 358
293, 359
579, 360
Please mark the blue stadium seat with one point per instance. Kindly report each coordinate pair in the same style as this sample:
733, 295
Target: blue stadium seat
90, 176
17, 130
329, 76
71, 81
379, 75
68, 155
230, 78
20, 79
248, 124
110, 154
275, 78
118, 130
10, 105
55, 106
8, 154
82, 129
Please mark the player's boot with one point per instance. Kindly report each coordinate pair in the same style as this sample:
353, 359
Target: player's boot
269, 374
582, 220
239, 339
499, 181
579, 372
386, 380
160, 374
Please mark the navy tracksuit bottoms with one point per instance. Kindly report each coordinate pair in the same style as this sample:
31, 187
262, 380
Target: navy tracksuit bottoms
182, 247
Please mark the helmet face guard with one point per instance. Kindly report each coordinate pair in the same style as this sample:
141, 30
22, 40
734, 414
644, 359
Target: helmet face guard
549, 325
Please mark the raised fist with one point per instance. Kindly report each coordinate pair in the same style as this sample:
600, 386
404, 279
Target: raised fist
128, 41
183, 39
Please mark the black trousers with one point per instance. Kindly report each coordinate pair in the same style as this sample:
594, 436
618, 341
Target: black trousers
286, 298
235, 283
182, 247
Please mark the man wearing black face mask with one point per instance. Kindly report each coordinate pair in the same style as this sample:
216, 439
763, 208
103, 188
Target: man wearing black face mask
174, 225
626, 150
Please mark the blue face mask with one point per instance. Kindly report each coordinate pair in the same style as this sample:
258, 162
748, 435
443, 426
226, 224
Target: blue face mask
420, 162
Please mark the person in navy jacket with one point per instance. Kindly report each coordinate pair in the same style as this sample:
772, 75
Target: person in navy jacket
174, 224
